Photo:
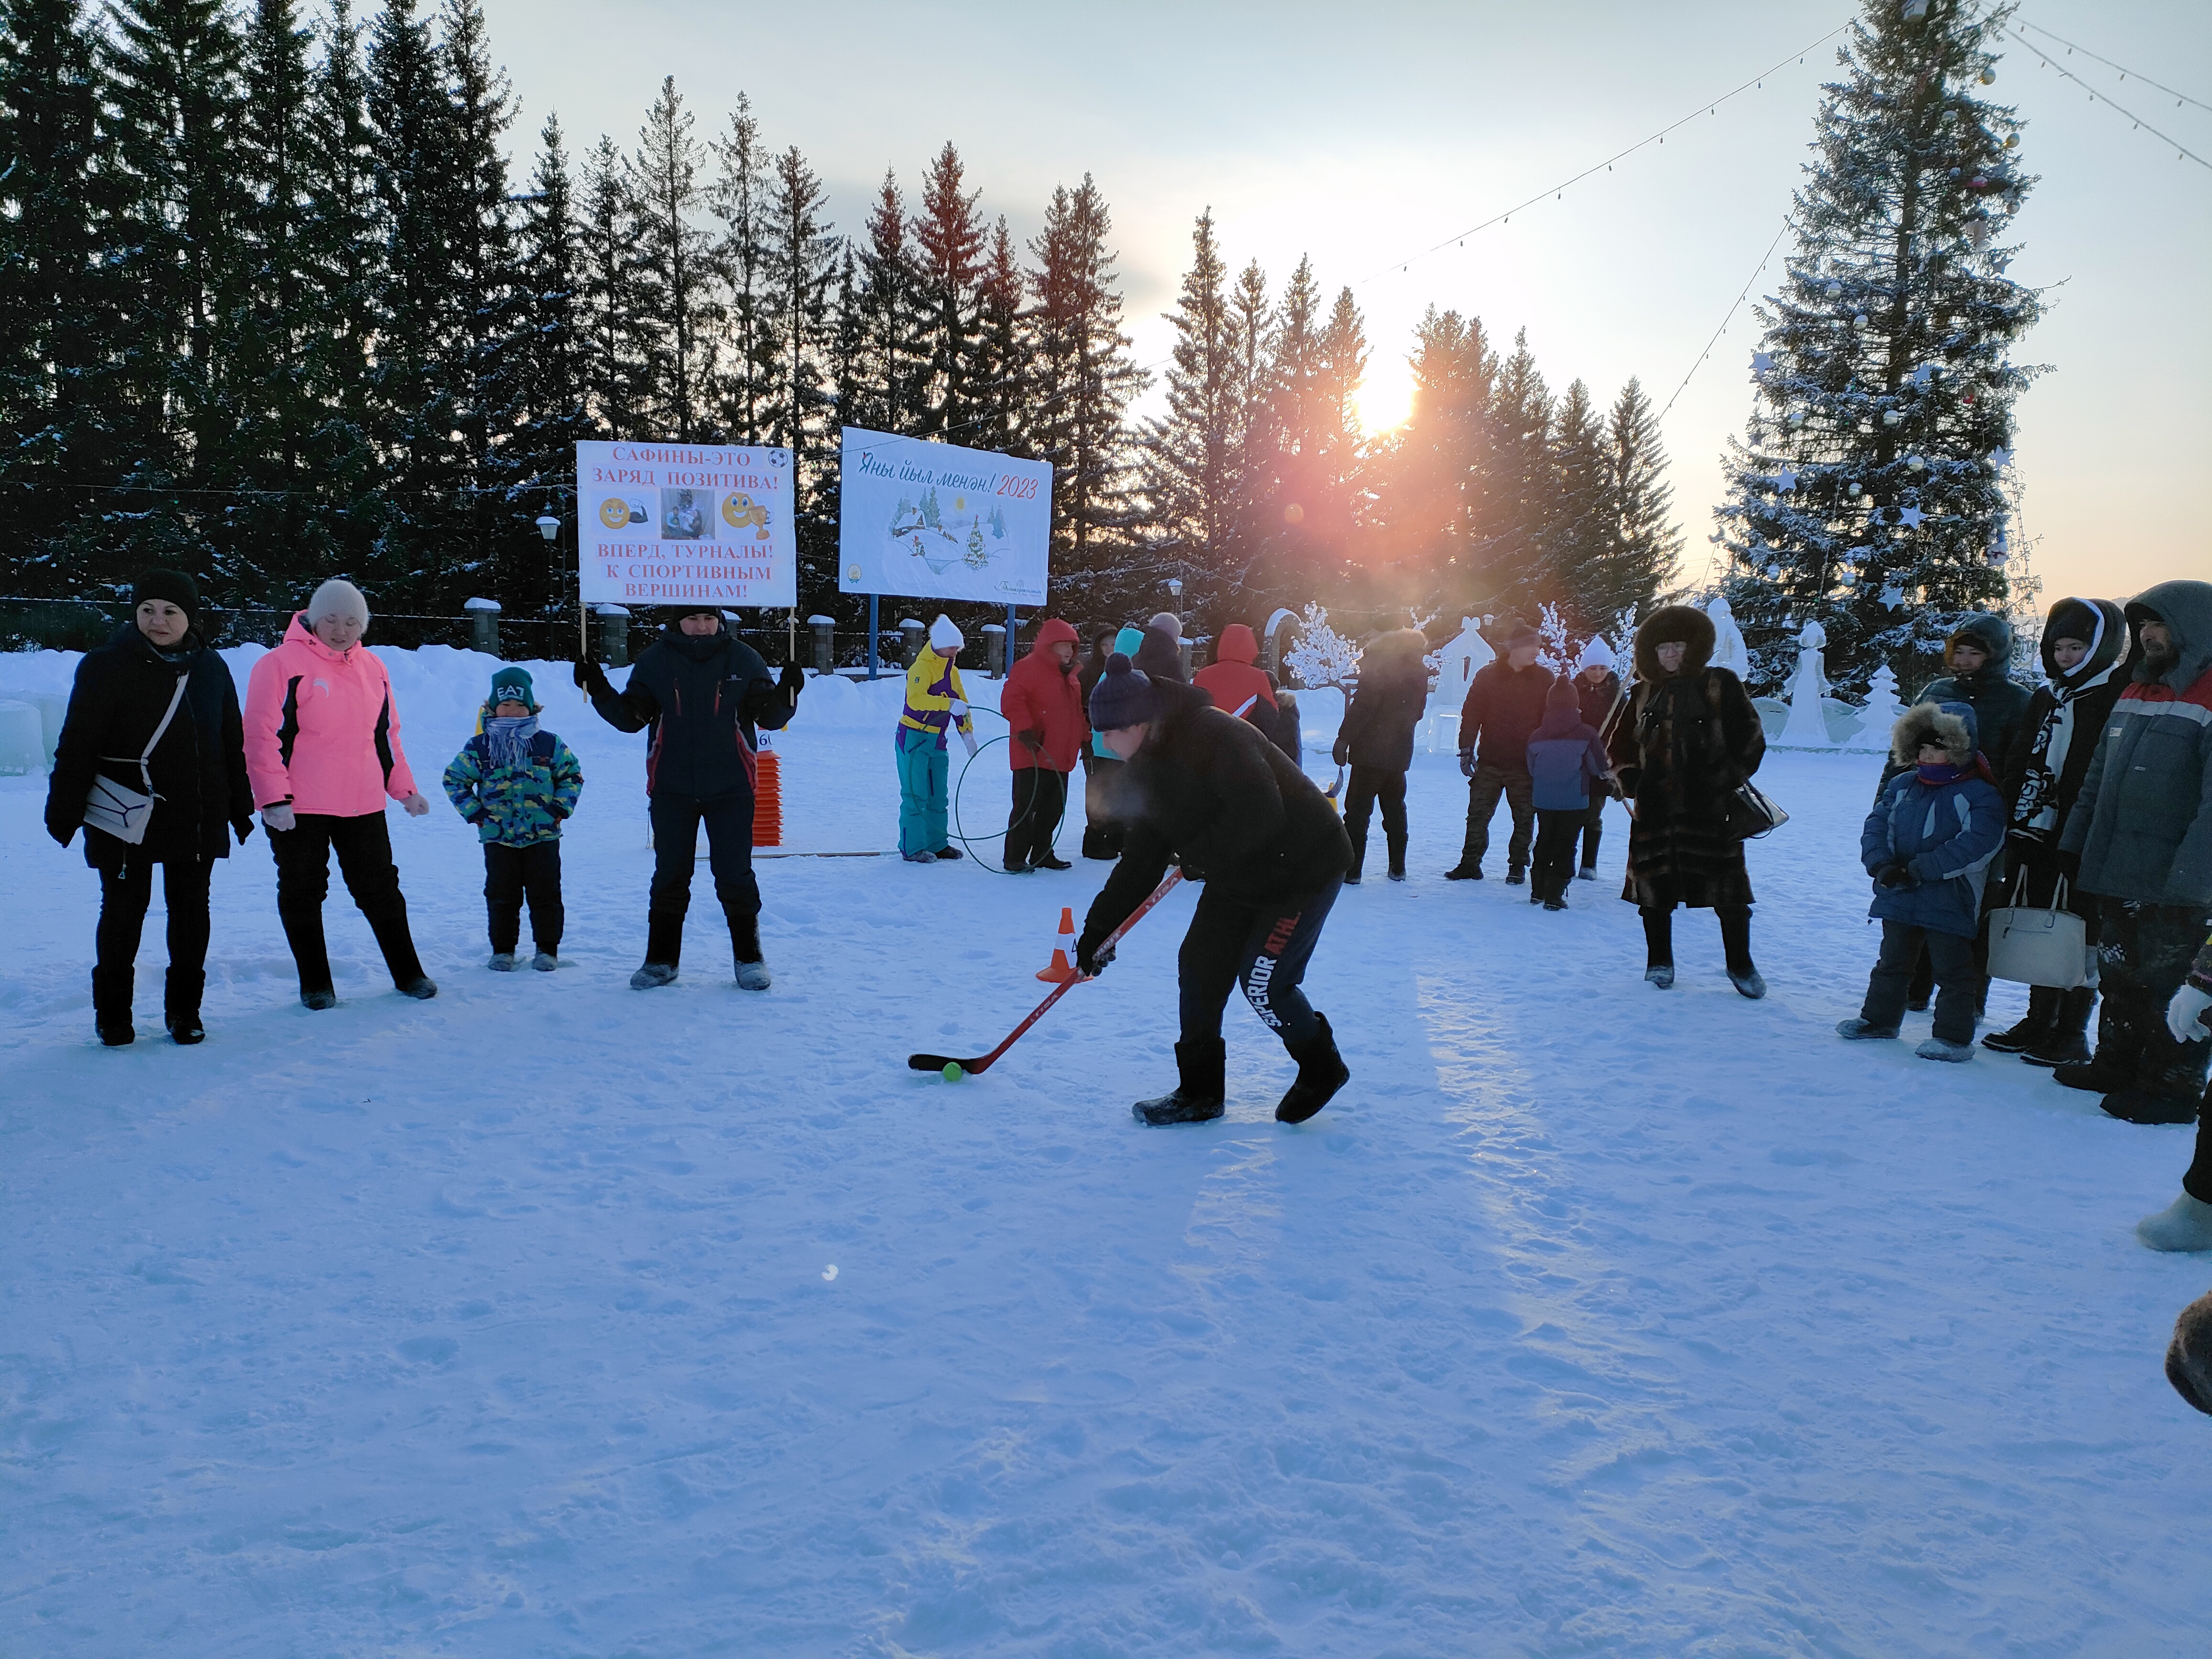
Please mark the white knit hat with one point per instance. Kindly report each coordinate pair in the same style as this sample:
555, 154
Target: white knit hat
1596, 654
338, 597
945, 636
1167, 622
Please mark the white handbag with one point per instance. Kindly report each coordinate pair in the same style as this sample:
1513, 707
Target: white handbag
118, 809
2032, 946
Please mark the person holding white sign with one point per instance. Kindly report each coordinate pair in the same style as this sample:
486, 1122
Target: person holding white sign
936, 703
702, 696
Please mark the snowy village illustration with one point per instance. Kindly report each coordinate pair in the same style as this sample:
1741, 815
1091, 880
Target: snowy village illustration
921, 531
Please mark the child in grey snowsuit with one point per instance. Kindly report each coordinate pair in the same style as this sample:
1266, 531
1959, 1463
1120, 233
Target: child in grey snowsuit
1927, 844
517, 785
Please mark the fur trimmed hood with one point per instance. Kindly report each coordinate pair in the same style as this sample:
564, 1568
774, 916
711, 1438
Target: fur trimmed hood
1950, 723
1668, 622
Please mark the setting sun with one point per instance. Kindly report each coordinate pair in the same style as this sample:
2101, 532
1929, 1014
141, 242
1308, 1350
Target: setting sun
1385, 396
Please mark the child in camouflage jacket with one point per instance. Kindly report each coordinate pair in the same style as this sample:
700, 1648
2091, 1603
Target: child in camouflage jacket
516, 784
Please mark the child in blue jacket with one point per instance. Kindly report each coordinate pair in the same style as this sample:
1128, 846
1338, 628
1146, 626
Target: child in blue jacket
1565, 758
517, 784
1927, 844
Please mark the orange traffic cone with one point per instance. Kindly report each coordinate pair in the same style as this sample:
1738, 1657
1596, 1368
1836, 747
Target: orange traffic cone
1060, 969
767, 797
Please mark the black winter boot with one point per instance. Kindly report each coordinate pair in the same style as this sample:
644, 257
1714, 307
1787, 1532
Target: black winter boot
1659, 947
111, 1005
2119, 1049
664, 946
745, 949
1465, 869
2034, 1030
180, 1004
2063, 1044
1321, 1072
1202, 1085
389, 924
1735, 942
2169, 1081
303, 931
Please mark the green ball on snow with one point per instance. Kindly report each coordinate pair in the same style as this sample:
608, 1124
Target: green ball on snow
952, 1072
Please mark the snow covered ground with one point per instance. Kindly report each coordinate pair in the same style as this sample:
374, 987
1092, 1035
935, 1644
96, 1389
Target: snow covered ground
552, 1318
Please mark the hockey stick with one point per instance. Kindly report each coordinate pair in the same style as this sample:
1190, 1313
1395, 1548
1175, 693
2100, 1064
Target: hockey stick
983, 1062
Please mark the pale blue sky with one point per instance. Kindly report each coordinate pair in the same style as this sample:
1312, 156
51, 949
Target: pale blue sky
1363, 135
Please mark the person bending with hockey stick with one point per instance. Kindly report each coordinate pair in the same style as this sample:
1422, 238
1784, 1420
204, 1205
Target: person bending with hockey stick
1206, 791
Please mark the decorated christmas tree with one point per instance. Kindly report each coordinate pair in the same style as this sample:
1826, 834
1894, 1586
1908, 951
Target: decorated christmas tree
1868, 493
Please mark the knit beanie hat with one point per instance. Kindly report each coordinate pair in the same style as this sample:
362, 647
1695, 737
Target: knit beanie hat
1123, 695
1596, 654
512, 684
1516, 633
945, 636
1562, 695
1167, 622
1128, 640
338, 597
174, 586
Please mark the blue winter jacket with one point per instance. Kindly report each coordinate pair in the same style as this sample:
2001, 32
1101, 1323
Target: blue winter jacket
1946, 834
1562, 762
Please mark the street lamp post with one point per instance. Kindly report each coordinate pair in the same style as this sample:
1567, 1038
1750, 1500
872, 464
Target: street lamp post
549, 528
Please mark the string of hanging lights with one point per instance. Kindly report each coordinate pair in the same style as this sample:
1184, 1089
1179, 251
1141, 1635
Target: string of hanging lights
2181, 151
1710, 106
2179, 98
1737, 305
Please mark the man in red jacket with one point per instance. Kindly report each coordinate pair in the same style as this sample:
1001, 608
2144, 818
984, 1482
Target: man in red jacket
1504, 708
1043, 705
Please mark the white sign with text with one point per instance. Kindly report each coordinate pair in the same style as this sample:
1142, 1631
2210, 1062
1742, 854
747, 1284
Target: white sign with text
666, 524
933, 520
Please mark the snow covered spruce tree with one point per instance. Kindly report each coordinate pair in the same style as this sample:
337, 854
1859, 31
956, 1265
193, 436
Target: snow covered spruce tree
1867, 494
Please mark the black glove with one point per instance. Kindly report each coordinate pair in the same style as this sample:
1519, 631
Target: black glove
243, 827
1032, 741
1091, 956
1467, 762
61, 829
1898, 876
792, 680
1341, 753
589, 676
2068, 865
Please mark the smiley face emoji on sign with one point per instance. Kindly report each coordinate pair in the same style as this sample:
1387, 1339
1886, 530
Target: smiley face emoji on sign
739, 510
614, 512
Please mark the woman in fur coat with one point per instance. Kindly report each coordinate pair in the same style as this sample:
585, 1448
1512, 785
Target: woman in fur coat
1688, 740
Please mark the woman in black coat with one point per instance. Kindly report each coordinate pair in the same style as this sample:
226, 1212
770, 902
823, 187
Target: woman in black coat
123, 693
1688, 740
1377, 741
2088, 658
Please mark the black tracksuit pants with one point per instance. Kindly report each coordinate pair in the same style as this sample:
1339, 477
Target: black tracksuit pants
1261, 949
1040, 799
512, 874
1554, 864
363, 847
125, 895
1369, 785
729, 821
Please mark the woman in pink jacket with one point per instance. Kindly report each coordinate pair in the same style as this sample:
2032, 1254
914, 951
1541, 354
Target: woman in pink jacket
322, 751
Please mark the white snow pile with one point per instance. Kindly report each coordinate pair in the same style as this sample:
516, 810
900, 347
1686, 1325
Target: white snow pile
553, 1318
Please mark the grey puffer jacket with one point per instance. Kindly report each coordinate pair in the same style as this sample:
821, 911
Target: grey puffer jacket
2143, 823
